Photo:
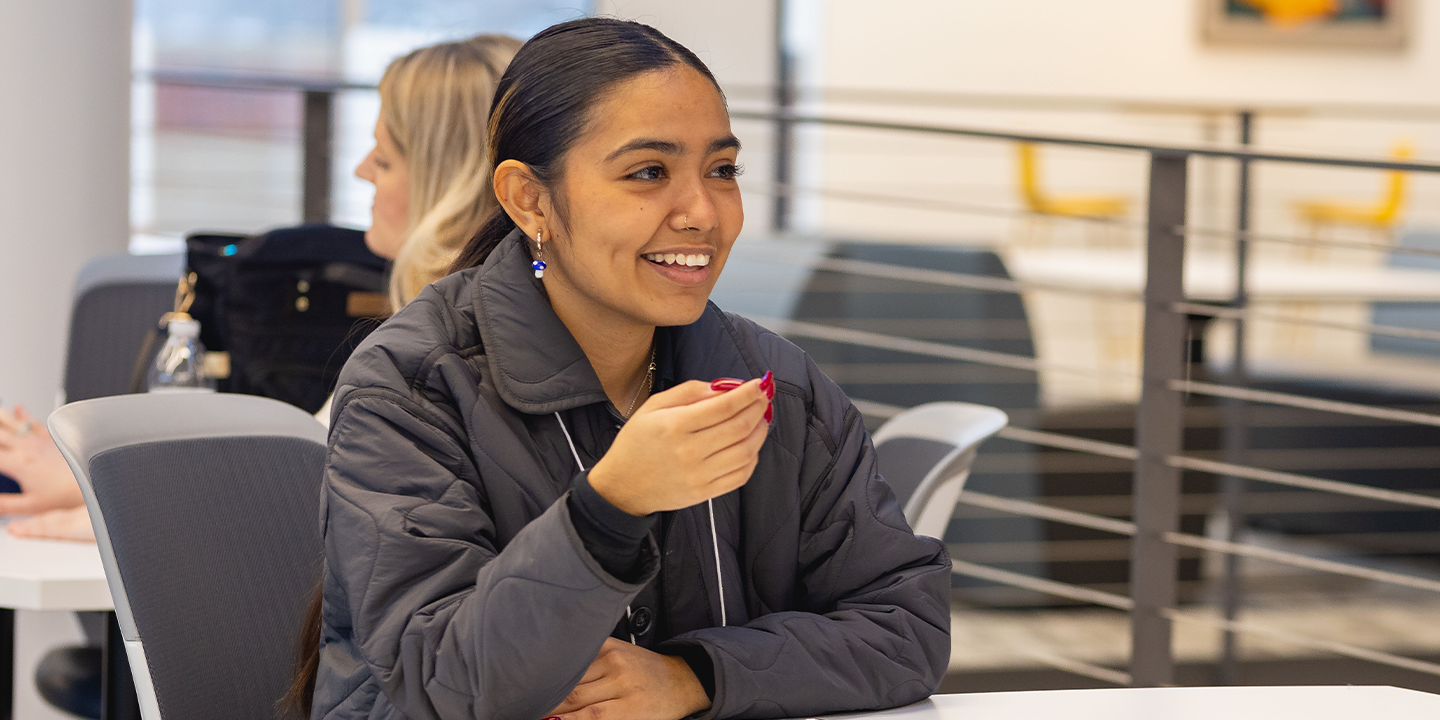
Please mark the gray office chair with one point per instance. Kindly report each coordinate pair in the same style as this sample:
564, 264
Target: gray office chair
118, 301
205, 508
925, 454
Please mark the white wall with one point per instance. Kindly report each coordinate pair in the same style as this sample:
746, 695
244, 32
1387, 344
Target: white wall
1140, 49
1135, 51
734, 38
64, 189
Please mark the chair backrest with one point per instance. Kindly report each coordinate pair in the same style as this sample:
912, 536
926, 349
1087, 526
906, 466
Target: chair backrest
1029, 176
118, 300
925, 455
1395, 182
206, 508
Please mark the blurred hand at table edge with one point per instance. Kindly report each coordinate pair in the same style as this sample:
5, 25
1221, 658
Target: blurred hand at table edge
67, 524
29, 456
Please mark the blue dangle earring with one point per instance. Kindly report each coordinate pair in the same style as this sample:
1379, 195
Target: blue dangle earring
539, 265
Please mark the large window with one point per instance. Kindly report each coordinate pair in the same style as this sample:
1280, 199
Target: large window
215, 158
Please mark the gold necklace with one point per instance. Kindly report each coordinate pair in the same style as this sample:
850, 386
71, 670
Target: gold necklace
649, 376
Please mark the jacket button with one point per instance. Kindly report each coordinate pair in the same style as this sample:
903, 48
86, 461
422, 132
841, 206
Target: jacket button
640, 620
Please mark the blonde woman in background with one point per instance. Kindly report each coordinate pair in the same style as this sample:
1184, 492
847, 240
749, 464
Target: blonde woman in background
432, 192
432, 187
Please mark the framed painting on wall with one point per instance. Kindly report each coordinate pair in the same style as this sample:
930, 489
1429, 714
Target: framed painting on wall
1378, 24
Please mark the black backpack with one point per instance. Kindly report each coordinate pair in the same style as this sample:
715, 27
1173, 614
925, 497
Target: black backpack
288, 306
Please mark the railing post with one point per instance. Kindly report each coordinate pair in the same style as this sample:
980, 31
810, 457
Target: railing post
1236, 434
316, 143
1159, 426
784, 128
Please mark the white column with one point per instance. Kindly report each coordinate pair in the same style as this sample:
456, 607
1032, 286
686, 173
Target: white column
64, 179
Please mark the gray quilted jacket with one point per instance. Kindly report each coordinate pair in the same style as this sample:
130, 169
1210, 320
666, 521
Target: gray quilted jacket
456, 585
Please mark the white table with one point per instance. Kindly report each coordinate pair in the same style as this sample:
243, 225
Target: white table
51, 575
1229, 703
43, 575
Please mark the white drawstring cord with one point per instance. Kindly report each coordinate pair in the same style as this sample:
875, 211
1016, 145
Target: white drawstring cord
719, 577
581, 465
714, 538
573, 451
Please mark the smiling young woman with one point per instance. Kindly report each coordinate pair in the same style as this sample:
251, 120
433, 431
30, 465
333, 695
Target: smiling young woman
585, 491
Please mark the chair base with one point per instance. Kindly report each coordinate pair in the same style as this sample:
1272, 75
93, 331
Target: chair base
69, 678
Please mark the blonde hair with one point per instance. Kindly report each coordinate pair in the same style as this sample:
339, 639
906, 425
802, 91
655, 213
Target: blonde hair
435, 103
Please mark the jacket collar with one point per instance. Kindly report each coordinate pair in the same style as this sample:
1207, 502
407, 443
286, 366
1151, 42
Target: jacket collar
537, 365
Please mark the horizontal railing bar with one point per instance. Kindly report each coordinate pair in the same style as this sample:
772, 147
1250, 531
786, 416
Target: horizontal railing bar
953, 279
1046, 512
1236, 152
880, 95
1126, 452
1069, 442
987, 283
253, 81
788, 190
1304, 481
1041, 511
896, 343
1120, 602
965, 101
1009, 211
1304, 402
1120, 527
1049, 587
911, 274
1233, 313
1302, 561
1338, 648
875, 409
1300, 240
1081, 668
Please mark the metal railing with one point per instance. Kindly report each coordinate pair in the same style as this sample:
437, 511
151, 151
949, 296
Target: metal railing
1158, 455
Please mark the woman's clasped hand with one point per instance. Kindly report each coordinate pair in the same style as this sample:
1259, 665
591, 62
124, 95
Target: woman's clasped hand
686, 445
631, 682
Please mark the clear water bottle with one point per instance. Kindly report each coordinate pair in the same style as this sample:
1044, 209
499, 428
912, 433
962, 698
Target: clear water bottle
180, 366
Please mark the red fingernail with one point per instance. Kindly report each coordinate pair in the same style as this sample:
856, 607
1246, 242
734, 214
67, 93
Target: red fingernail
769, 413
726, 384
767, 383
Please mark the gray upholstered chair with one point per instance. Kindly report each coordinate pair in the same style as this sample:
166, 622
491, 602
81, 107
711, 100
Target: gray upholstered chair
925, 455
206, 510
118, 301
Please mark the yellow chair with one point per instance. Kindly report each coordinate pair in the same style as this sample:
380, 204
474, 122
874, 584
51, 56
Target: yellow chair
1088, 207
1380, 217
1081, 206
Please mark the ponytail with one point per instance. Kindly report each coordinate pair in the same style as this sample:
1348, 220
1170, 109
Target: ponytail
497, 225
299, 698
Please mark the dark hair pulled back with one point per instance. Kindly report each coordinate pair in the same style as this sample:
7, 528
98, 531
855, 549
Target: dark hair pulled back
544, 100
